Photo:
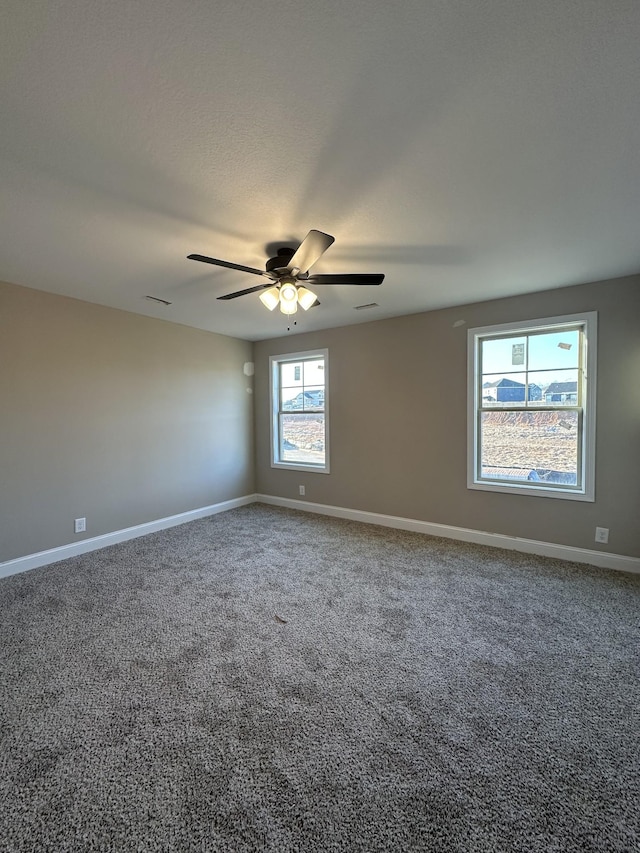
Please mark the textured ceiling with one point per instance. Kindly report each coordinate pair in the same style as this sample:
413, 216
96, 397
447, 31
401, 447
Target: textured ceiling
468, 149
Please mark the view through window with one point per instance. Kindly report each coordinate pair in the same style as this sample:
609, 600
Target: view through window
299, 410
531, 419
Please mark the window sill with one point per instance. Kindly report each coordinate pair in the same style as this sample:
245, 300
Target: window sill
300, 466
532, 491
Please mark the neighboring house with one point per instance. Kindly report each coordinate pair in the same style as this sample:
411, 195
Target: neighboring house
306, 400
535, 393
509, 391
562, 392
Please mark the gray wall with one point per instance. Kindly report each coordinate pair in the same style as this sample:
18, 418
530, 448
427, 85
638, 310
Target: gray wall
398, 431
113, 416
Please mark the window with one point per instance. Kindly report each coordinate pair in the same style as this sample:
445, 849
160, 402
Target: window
532, 407
299, 434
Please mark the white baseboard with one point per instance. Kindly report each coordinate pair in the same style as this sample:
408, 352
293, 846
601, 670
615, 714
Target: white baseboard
602, 559
54, 555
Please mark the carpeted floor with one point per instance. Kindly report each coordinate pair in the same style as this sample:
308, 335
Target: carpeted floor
278, 681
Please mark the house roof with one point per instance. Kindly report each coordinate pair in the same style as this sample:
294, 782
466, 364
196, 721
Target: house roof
503, 383
134, 134
310, 395
562, 388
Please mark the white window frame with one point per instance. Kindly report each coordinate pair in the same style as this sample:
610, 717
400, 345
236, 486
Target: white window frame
274, 388
589, 321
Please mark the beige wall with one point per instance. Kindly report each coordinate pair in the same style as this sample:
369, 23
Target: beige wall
398, 435
113, 416
124, 419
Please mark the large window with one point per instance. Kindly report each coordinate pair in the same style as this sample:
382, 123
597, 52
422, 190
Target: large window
532, 407
299, 405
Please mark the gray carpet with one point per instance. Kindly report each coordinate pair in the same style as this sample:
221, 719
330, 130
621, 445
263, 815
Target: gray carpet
272, 680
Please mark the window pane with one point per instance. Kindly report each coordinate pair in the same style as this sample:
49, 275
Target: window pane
530, 446
558, 387
314, 372
302, 438
554, 350
291, 374
314, 398
503, 354
292, 399
502, 391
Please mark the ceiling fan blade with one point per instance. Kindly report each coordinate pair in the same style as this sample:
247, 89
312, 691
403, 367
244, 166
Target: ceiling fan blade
248, 290
312, 247
337, 278
227, 264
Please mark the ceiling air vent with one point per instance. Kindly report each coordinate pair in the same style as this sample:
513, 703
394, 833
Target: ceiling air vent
157, 299
368, 305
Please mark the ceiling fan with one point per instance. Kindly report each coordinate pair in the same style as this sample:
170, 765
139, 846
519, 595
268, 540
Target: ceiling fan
288, 274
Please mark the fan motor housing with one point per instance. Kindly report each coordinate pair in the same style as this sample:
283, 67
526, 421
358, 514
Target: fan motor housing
281, 260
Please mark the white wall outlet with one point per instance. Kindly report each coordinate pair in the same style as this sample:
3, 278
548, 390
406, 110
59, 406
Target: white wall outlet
301, 489
80, 525
602, 535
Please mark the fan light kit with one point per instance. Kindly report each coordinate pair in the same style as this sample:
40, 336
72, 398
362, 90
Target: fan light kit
288, 273
288, 296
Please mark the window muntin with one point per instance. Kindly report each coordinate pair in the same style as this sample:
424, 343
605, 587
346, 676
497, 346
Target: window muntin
532, 407
299, 411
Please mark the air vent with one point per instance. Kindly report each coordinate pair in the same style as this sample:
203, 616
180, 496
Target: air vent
368, 305
157, 299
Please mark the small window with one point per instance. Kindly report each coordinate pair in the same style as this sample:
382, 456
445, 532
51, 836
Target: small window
532, 407
299, 405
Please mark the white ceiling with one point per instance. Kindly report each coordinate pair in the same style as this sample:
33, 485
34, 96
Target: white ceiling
468, 149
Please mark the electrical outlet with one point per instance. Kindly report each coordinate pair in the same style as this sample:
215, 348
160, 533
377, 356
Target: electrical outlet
602, 535
80, 525
301, 489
